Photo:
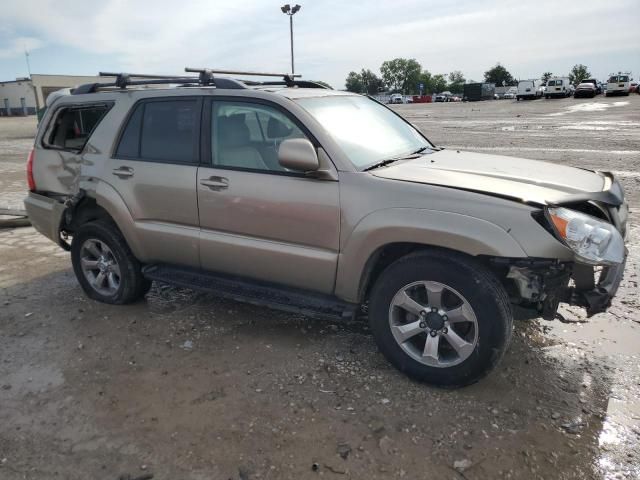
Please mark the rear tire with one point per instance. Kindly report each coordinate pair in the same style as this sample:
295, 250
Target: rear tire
105, 266
472, 321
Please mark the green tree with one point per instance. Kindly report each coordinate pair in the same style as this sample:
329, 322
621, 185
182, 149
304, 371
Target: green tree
354, 82
456, 82
546, 76
499, 74
578, 73
371, 83
401, 74
438, 83
426, 79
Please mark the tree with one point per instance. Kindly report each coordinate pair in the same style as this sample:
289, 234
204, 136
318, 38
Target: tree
578, 73
546, 76
456, 82
438, 83
426, 79
401, 74
354, 82
371, 83
499, 74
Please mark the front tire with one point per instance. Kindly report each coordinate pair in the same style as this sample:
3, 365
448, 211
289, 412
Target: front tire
441, 318
105, 266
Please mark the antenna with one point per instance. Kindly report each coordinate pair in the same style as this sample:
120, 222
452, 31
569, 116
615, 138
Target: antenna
26, 56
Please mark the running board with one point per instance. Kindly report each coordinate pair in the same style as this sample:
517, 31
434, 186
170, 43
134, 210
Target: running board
269, 295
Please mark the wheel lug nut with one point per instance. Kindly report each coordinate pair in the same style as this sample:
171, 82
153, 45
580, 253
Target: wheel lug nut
434, 309
423, 325
445, 318
445, 330
433, 333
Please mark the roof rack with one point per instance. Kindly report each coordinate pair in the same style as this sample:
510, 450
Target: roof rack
205, 78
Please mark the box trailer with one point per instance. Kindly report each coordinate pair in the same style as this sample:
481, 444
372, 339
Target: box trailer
474, 92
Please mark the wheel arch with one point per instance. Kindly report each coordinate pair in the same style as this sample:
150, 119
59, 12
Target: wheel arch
371, 247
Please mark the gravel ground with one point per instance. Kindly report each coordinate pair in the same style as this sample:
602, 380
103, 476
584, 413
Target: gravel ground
188, 386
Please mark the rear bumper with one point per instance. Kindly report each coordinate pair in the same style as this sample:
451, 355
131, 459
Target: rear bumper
45, 214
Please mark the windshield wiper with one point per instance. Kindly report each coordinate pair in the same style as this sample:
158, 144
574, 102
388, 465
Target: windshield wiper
420, 150
383, 163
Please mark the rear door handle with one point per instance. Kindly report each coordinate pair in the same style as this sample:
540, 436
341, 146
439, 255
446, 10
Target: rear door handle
123, 172
215, 183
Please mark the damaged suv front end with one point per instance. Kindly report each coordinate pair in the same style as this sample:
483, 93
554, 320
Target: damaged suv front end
593, 226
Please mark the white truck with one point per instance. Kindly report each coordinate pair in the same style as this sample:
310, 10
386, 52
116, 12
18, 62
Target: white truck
529, 89
618, 84
558, 87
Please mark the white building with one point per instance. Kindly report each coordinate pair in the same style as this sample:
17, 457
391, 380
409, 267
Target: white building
25, 96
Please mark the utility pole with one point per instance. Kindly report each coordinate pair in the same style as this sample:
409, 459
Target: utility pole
291, 11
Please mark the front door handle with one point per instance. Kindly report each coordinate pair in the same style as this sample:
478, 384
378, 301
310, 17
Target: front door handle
215, 183
123, 172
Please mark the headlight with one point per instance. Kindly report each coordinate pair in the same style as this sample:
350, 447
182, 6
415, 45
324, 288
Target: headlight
594, 242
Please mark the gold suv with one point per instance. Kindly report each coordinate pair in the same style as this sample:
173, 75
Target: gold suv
290, 195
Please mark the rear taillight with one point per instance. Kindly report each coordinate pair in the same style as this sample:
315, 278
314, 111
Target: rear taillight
30, 179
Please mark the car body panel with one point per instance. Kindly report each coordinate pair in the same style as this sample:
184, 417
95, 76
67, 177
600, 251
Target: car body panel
516, 178
264, 225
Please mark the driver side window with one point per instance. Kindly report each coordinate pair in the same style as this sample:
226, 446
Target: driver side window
246, 136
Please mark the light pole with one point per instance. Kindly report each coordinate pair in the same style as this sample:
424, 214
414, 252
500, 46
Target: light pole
291, 11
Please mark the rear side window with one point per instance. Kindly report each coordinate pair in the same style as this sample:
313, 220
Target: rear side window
165, 131
73, 126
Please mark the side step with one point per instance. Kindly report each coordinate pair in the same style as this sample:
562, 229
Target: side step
270, 295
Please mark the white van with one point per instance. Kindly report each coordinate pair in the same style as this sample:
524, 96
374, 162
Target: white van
618, 84
529, 89
558, 87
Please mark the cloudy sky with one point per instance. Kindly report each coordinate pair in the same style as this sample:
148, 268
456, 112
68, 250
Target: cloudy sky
332, 37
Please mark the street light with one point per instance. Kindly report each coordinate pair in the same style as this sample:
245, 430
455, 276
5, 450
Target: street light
291, 11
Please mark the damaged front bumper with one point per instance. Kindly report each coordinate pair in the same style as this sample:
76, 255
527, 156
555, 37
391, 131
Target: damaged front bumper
594, 297
538, 286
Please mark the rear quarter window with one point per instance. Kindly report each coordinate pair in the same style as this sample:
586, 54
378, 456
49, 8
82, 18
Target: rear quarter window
72, 126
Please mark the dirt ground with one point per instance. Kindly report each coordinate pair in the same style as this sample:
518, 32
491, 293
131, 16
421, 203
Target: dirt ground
188, 386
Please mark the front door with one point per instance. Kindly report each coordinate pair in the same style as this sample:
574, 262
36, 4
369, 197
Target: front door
258, 219
154, 170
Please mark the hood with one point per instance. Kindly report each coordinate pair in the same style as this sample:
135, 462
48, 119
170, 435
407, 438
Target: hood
530, 181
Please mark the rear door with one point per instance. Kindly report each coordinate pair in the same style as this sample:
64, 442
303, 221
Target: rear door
257, 219
154, 170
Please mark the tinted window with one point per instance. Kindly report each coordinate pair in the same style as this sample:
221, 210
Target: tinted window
169, 131
73, 126
247, 136
130, 141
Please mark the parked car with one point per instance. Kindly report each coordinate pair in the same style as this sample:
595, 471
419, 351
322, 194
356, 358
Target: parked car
595, 82
396, 98
529, 89
558, 87
443, 97
633, 86
585, 90
511, 93
293, 196
618, 84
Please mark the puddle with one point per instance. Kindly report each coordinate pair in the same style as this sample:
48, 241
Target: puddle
543, 149
588, 107
585, 127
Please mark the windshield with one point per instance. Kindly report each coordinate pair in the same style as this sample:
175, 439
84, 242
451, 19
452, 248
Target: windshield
366, 131
621, 78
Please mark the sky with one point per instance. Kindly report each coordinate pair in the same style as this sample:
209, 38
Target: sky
332, 38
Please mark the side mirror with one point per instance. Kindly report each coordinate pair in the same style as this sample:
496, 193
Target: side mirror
298, 154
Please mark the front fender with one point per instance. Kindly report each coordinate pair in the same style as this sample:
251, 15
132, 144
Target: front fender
453, 231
